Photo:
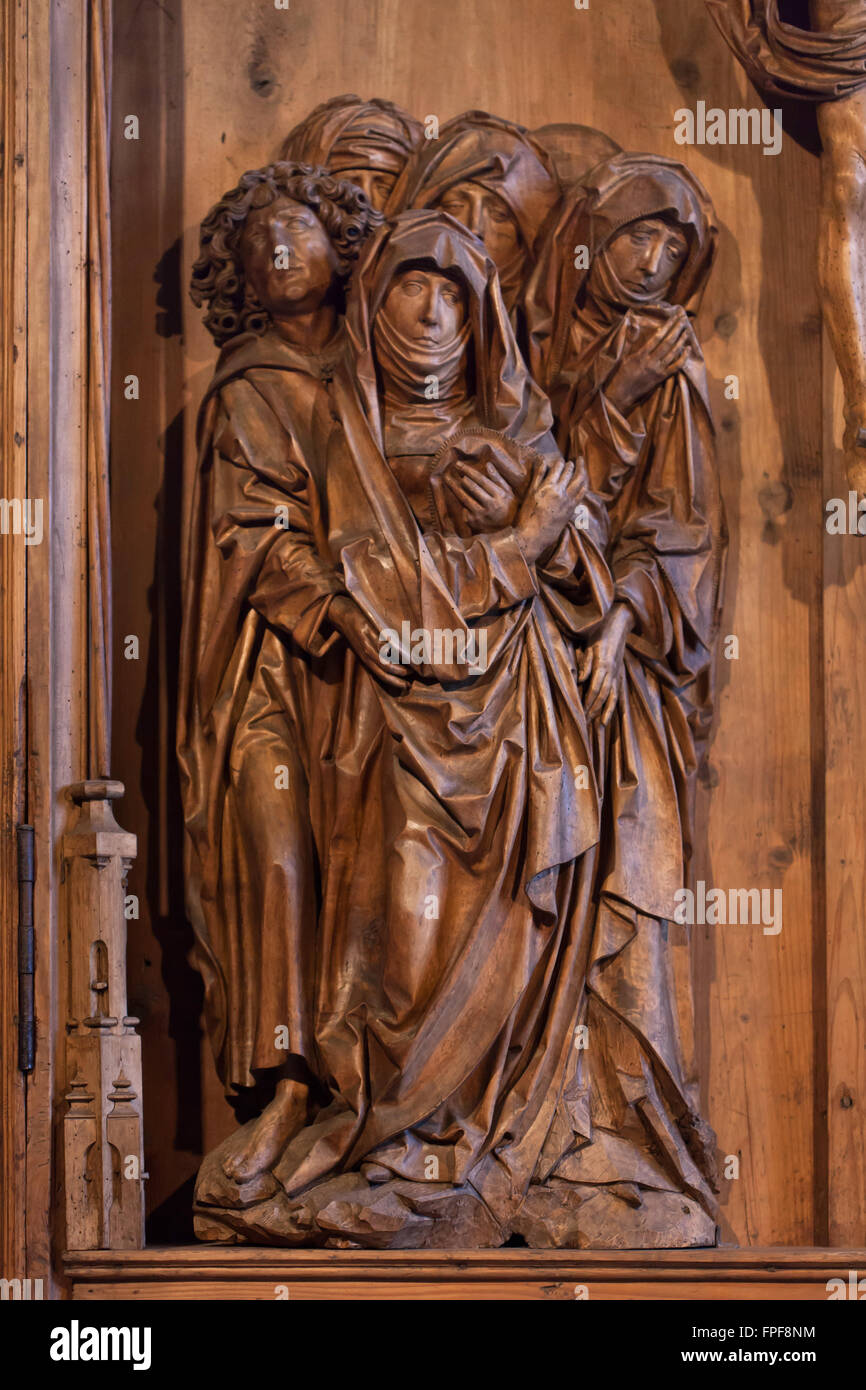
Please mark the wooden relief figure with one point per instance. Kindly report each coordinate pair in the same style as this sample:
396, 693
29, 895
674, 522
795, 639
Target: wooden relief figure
446, 673
826, 65
496, 179
366, 142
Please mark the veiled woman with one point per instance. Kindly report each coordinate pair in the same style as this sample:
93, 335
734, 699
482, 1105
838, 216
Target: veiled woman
494, 177
459, 815
614, 346
366, 142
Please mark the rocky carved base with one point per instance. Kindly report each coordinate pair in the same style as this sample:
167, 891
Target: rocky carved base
353, 1210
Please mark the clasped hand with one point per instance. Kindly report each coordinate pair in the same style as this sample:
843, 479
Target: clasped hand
658, 357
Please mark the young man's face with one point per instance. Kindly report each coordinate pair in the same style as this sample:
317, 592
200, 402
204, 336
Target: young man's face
648, 255
288, 257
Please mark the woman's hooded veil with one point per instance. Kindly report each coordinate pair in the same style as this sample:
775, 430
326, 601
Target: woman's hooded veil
503, 158
623, 189
507, 398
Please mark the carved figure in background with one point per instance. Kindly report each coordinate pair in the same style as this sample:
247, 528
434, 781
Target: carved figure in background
827, 65
252, 703
454, 838
574, 149
366, 142
495, 178
613, 344
423, 862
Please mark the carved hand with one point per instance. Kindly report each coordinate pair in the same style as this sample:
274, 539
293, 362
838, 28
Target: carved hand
347, 618
554, 492
602, 661
488, 500
646, 367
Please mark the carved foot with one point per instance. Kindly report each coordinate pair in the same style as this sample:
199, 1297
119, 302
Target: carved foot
264, 1141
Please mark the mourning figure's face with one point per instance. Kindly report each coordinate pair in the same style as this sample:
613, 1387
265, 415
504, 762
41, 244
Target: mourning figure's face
288, 258
488, 216
374, 182
648, 255
427, 308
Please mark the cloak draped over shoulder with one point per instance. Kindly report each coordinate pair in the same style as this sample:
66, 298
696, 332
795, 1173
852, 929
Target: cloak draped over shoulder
254, 698
656, 472
786, 61
414, 905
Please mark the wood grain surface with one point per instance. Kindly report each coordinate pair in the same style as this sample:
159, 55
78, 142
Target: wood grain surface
547, 1276
780, 1018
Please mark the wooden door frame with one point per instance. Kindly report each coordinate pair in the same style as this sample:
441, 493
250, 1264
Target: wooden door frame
55, 643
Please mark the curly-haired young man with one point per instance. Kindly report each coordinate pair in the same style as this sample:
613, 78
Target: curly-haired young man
278, 250
261, 664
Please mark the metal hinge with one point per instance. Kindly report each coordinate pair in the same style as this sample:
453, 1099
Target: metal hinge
26, 950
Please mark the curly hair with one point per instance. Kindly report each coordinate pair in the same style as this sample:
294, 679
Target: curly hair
218, 275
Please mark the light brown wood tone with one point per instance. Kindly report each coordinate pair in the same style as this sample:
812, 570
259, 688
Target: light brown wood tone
548, 1276
52, 86
13, 562
48, 728
101, 1117
98, 282
216, 95
845, 1097
147, 220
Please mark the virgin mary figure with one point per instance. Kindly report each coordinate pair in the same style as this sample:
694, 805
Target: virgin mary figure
454, 820
613, 343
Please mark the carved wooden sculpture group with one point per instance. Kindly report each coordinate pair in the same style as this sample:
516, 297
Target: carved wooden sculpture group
451, 596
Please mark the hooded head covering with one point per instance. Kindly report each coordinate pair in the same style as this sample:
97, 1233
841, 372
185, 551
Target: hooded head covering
499, 156
624, 189
348, 133
505, 396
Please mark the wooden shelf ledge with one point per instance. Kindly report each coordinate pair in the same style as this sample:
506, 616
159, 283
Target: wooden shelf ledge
253, 1272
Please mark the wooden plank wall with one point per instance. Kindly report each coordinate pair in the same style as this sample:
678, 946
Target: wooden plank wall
216, 86
13, 610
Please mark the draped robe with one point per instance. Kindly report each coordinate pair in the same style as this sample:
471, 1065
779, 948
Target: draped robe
633, 1098
420, 920
786, 61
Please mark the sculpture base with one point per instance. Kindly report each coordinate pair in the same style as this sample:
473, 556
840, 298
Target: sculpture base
360, 1210
245, 1272
432, 1216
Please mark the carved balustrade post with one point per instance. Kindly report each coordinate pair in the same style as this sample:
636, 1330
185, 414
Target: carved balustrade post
102, 1118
